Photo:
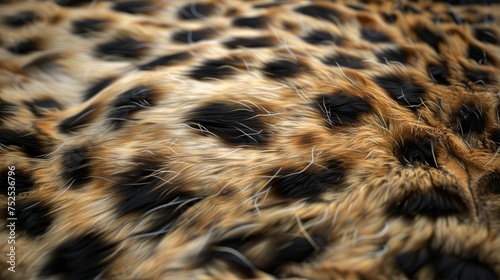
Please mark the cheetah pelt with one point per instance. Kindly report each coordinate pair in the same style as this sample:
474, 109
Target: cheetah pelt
222, 139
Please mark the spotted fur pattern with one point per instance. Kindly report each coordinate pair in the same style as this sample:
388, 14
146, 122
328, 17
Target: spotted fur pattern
221, 139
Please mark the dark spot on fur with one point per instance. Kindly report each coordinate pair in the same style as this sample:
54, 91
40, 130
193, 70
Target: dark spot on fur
81, 258
341, 109
398, 55
87, 26
24, 47
320, 12
495, 136
344, 60
21, 19
417, 151
266, 5
492, 185
439, 73
193, 36
389, 17
7, 110
478, 76
374, 36
318, 37
134, 7
129, 102
255, 42
426, 35
234, 125
78, 121
470, 2
97, 87
165, 60
29, 143
75, 167
433, 203
196, 11
40, 106
402, 90
358, 7
469, 119
72, 3
216, 69
479, 55
121, 48
33, 218
281, 69
411, 9
21, 181
47, 63
252, 22
458, 268
485, 35
411, 262
296, 184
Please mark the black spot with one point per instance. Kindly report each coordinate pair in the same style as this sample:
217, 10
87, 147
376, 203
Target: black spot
40, 106
492, 185
318, 37
266, 5
485, 35
411, 262
358, 7
216, 69
86, 26
281, 69
218, 251
20, 180
252, 22
121, 48
24, 47
81, 258
344, 60
76, 167
411, 9
308, 184
374, 36
143, 189
134, 7
463, 269
398, 55
255, 42
439, 73
234, 125
433, 203
320, 12
78, 121
28, 142
469, 119
193, 36
47, 63
129, 102
166, 60
428, 36
389, 17
33, 218
478, 76
72, 3
478, 54
341, 109
20, 19
96, 88
495, 136
196, 11
402, 90
417, 151
297, 250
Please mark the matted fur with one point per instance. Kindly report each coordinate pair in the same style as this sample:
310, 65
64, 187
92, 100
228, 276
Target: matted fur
221, 139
